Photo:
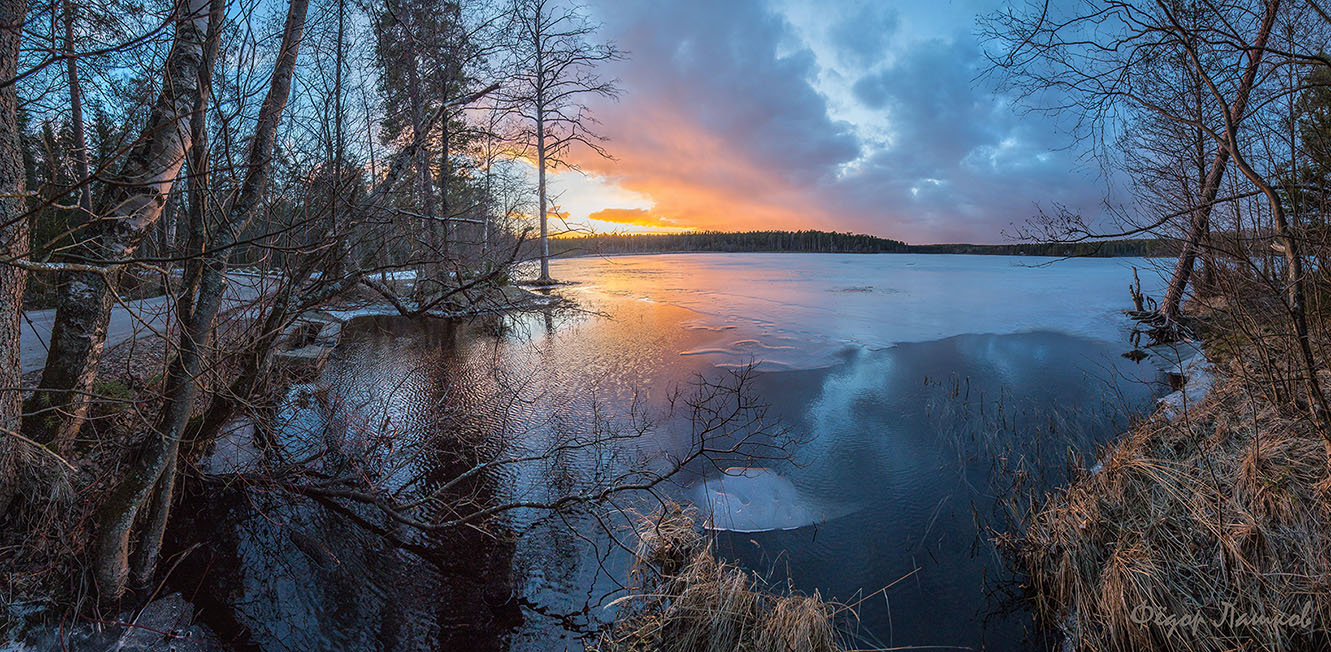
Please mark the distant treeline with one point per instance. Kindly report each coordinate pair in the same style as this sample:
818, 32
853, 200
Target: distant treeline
1142, 247
832, 242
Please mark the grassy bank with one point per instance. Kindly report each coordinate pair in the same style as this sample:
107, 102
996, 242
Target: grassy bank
682, 598
1210, 530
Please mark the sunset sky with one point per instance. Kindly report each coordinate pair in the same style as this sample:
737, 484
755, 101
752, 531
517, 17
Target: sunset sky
854, 115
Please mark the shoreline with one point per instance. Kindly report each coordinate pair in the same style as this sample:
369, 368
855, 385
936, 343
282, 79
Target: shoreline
619, 254
1137, 533
130, 372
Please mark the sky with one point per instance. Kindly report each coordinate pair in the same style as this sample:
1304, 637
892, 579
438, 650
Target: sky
869, 116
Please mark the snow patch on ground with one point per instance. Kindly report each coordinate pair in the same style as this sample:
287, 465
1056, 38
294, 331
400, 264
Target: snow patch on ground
1199, 375
380, 310
1189, 361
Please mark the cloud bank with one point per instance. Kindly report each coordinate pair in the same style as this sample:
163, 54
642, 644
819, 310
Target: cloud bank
754, 114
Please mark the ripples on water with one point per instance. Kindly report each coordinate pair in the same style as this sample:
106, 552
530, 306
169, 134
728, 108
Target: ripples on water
914, 384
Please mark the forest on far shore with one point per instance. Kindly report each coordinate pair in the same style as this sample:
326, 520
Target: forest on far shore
833, 242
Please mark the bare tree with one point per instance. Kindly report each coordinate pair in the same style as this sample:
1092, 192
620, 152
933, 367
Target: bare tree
1236, 111
555, 74
76, 113
156, 467
1115, 63
1113, 66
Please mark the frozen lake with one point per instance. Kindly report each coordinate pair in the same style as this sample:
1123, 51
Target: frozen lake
799, 308
913, 388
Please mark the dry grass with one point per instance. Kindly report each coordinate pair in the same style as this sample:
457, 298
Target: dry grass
684, 599
1227, 505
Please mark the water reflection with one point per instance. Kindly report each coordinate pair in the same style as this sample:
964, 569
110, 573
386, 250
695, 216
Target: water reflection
916, 450
908, 453
288, 571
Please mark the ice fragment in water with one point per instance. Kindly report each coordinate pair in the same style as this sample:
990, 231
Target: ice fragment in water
752, 499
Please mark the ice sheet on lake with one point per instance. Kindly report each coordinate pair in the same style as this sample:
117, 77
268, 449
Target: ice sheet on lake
824, 304
753, 499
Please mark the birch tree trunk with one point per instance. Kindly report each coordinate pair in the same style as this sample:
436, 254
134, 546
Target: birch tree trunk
149, 548
538, 34
1198, 227
445, 172
200, 177
154, 475
76, 114
540, 190
430, 268
133, 204
557, 69
14, 237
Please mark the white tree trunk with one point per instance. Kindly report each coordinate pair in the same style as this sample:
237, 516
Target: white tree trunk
135, 201
155, 473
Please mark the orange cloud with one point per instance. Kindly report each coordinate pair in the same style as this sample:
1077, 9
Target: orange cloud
695, 179
633, 216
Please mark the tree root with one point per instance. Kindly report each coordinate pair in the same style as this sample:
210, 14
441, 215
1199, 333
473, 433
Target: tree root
1152, 321
1159, 327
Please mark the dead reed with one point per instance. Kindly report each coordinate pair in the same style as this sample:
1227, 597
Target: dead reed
1210, 531
684, 599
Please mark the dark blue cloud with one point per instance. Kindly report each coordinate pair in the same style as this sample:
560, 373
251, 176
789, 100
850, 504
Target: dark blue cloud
863, 31
964, 162
717, 63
